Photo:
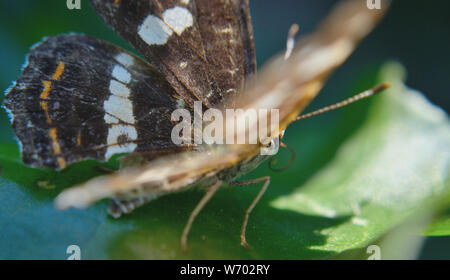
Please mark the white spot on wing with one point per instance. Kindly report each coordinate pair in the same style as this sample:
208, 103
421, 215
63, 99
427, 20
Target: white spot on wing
121, 74
113, 134
178, 18
154, 31
125, 59
118, 108
119, 89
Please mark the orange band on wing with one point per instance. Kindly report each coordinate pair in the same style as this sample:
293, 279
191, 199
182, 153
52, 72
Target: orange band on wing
53, 133
59, 71
44, 95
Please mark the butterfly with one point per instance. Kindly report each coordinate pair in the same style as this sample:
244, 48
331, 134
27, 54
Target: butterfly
79, 97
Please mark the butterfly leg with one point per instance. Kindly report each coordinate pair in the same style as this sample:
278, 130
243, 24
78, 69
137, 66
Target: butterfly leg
266, 180
209, 194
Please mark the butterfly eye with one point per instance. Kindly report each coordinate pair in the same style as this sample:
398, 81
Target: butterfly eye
272, 143
268, 143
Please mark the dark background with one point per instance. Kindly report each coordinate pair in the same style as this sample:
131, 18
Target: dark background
414, 33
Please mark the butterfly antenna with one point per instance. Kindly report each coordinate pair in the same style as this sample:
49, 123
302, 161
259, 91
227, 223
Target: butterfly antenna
291, 40
274, 160
353, 99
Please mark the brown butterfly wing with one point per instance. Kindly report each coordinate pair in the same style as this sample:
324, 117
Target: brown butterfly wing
204, 48
285, 85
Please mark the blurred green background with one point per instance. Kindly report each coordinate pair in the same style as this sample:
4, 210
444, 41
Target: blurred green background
415, 33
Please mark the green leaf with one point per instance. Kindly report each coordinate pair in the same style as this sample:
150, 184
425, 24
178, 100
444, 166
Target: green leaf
356, 177
440, 226
396, 165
